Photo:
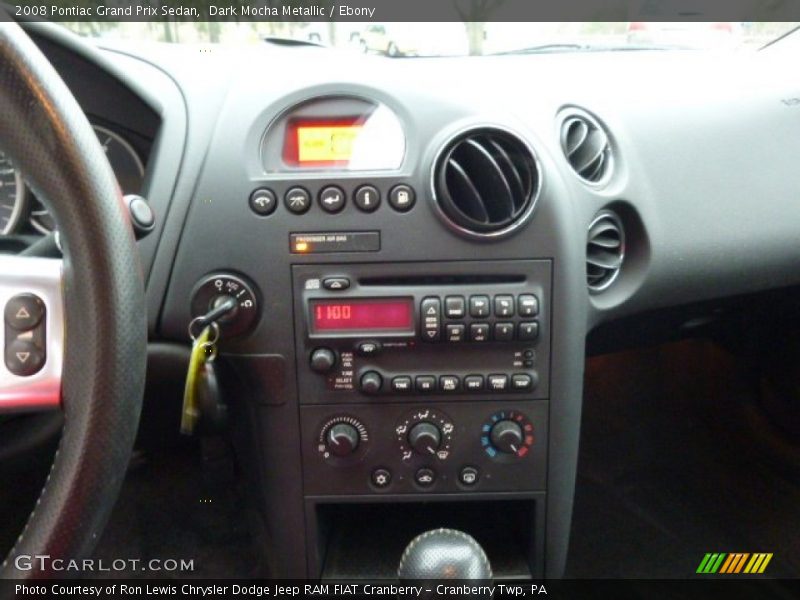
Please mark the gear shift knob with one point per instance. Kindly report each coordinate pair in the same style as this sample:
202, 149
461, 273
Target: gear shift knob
444, 554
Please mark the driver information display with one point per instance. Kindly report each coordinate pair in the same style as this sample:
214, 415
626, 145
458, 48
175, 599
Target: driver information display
326, 143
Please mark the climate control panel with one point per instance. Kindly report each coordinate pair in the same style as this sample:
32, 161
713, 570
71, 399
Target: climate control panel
431, 448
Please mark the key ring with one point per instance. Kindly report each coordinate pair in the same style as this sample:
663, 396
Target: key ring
213, 338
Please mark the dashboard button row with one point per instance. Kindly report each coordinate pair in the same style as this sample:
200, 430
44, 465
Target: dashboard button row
332, 199
428, 384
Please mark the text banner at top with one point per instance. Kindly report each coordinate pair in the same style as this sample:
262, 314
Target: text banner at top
402, 10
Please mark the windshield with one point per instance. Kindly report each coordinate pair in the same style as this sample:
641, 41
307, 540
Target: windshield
455, 39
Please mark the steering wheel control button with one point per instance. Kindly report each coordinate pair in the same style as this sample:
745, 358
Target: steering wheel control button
528, 331
479, 332
336, 284
369, 348
503, 332
402, 384
479, 306
473, 383
449, 383
24, 358
371, 382
455, 332
425, 384
332, 199
454, 307
263, 202
469, 476
527, 305
431, 319
504, 306
425, 477
381, 478
367, 198
24, 312
297, 200
402, 198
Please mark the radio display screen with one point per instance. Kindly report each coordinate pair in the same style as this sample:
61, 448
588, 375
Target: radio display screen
363, 316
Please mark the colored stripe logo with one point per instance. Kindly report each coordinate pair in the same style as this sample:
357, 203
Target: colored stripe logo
734, 563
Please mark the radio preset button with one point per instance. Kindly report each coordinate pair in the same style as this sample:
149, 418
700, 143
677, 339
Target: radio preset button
449, 383
479, 306
431, 309
297, 200
426, 383
528, 331
473, 383
336, 284
455, 307
367, 198
504, 306
455, 332
503, 332
369, 348
371, 382
498, 383
401, 384
479, 332
527, 305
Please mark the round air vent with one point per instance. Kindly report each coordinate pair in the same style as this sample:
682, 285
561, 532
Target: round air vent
586, 145
485, 182
605, 251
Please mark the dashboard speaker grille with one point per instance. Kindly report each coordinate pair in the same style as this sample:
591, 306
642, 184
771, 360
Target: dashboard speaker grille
605, 251
586, 147
485, 181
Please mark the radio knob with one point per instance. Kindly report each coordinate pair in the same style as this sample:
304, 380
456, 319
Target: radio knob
425, 438
342, 439
507, 436
322, 360
371, 382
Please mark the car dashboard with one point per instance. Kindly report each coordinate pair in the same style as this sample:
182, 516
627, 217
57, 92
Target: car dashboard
417, 250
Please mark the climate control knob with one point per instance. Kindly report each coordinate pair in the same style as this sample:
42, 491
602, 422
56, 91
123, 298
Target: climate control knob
342, 439
507, 436
371, 382
322, 360
425, 438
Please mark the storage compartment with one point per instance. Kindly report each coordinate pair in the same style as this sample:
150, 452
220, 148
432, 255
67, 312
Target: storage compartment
366, 541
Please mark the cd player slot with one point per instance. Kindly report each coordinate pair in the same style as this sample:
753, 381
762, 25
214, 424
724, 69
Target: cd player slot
437, 280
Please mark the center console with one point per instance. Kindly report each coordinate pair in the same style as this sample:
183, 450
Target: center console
423, 377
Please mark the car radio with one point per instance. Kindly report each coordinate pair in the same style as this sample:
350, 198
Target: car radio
446, 330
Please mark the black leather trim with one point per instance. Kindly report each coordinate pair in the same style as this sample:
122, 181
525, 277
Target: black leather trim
47, 135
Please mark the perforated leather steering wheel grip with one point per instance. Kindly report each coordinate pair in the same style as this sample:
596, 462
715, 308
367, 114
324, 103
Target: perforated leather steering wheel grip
47, 136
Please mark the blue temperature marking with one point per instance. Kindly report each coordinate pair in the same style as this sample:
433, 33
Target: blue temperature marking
485, 440
487, 428
491, 452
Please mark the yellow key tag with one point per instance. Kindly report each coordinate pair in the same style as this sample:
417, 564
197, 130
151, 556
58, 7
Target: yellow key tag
200, 355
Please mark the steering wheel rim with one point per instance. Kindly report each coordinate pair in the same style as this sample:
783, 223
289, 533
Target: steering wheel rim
48, 137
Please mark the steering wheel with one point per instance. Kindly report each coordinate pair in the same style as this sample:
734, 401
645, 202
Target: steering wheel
89, 344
